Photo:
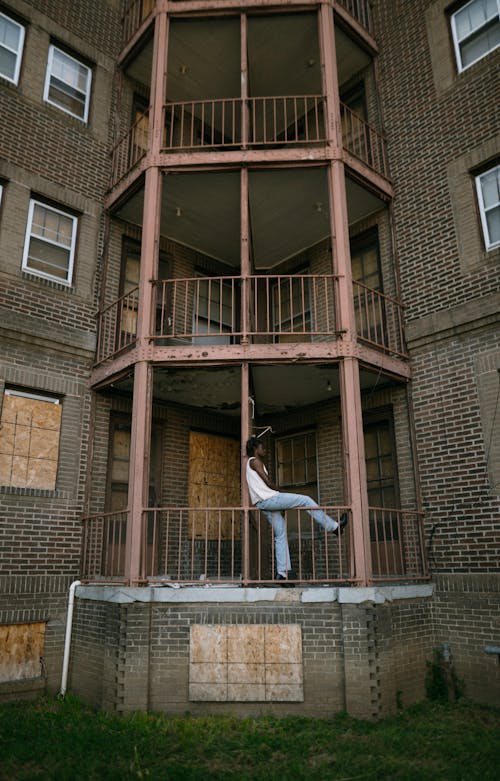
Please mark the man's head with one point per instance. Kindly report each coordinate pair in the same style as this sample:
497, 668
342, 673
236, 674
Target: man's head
253, 445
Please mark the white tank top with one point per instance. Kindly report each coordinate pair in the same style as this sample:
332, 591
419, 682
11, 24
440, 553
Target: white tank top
256, 486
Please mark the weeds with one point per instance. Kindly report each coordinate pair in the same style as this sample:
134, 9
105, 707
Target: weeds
51, 740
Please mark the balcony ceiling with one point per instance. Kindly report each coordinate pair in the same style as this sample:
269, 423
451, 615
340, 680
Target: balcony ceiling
288, 212
276, 389
283, 57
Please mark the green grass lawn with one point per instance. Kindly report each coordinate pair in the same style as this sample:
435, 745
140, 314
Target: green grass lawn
51, 739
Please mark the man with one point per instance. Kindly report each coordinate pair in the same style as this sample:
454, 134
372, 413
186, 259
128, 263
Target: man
266, 496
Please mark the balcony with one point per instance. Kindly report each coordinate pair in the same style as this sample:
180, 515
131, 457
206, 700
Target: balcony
256, 123
281, 309
186, 545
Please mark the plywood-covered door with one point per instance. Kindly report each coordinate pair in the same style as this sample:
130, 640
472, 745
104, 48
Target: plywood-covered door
214, 482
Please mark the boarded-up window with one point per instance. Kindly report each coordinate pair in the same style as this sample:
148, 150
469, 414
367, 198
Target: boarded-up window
21, 648
29, 440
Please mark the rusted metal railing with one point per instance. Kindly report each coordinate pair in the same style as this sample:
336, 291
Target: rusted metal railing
197, 309
293, 308
397, 544
379, 319
220, 123
131, 148
359, 10
117, 326
363, 141
192, 544
103, 546
206, 544
136, 11
289, 308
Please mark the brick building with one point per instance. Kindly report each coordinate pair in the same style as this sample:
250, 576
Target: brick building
221, 219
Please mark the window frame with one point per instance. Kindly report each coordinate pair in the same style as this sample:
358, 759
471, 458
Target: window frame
48, 76
19, 53
458, 42
483, 209
29, 235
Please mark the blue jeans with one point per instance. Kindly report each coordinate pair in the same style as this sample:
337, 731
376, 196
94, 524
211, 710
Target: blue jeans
271, 507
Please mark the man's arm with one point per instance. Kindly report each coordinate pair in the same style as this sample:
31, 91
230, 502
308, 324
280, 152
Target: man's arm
257, 465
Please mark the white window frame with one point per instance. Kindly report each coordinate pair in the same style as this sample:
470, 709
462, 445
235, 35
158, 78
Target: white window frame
458, 41
48, 77
483, 209
18, 53
34, 202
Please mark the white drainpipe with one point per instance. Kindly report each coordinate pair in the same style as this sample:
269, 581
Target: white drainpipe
67, 640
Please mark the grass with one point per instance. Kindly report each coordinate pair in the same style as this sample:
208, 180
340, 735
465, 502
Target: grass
66, 740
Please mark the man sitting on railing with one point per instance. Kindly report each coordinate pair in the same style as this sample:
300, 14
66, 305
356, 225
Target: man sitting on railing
266, 496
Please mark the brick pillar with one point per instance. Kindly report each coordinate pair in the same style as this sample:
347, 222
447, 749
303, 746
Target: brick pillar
132, 658
361, 671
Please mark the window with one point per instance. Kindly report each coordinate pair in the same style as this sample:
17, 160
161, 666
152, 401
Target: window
11, 48
67, 84
380, 464
488, 193
476, 31
296, 460
29, 440
49, 248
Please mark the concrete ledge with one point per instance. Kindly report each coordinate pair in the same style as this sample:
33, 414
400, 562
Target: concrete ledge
185, 594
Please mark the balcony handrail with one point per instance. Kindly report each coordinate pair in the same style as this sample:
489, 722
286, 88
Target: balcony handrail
134, 14
308, 299
117, 325
379, 293
188, 544
364, 141
130, 148
209, 123
359, 10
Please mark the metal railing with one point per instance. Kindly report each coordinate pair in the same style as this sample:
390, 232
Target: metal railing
207, 310
359, 10
136, 11
281, 308
397, 544
131, 148
103, 546
187, 545
293, 308
379, 320
363, 141
117, 326
197, 308
231, 122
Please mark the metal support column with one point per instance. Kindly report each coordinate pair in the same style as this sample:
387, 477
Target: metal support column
245, 500
350, 391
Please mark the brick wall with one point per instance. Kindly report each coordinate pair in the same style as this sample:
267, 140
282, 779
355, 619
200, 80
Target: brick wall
367, 658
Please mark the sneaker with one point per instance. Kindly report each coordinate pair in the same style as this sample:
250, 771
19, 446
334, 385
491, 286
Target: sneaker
342, 524
283, 581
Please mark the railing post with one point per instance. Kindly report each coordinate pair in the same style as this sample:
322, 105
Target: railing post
245, 500
244, 81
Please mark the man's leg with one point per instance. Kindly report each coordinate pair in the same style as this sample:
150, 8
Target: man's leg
282, 554
293, 501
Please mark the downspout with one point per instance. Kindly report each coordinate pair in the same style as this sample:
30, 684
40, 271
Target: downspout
67, 640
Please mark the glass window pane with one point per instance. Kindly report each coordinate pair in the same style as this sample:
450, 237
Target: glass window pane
490, 185
10, 33
7, 63
493, 222
48, 259
480, 44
